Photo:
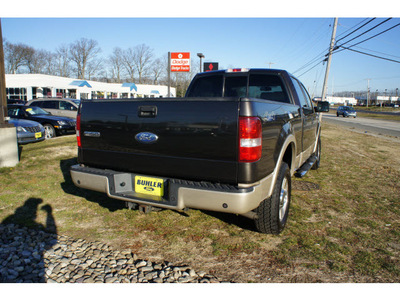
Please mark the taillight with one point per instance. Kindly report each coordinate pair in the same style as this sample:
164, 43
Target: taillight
78, 130
250, 139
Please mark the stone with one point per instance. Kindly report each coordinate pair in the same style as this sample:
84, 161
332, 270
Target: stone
24, 259
141, 264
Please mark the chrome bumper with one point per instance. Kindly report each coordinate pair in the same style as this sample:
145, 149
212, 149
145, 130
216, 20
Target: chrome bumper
179, 194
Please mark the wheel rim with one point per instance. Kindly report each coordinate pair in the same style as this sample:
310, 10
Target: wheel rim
283, 199
48, 132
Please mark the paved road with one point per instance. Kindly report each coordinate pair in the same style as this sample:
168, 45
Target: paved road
391, 128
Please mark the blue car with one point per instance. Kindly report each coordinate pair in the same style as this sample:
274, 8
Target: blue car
346, 111
28, 131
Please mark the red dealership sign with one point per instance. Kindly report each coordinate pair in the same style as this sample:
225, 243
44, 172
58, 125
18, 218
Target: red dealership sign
180, 61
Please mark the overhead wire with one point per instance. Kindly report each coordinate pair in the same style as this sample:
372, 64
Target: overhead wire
318, 57
364, 33
384, 58
355, 29
362, 48
341, 46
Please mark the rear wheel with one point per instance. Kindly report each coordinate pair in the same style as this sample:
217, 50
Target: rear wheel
49, 131
272, 213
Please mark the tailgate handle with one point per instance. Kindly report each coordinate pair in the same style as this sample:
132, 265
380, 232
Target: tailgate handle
147, 111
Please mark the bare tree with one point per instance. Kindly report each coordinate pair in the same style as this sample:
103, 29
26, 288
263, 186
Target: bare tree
38, 61
94, 67
62, 61
82, 53
49, 66
157, 69
15, 56
142, 56
128, 63
116, 62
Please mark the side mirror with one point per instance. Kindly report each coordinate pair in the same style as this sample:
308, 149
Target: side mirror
322, 106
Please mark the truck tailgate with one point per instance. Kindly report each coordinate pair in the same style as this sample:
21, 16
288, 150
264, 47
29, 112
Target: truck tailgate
196, 138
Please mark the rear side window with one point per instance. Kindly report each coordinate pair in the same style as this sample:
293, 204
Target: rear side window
66, 106
210, 86
268, 87
50, 104
304, 98
36, 103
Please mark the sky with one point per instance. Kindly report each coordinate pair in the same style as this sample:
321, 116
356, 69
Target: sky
293, 40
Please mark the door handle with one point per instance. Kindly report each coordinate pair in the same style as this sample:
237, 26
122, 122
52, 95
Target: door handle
147, 111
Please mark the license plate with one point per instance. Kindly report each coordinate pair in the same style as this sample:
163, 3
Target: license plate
38, 135
149, 186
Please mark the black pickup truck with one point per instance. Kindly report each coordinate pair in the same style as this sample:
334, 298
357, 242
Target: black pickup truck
230, 145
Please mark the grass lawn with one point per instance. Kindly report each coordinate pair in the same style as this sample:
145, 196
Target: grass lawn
344, 223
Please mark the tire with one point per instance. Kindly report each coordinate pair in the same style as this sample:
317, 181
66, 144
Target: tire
49, 131
318, 154
337, 114
272, 213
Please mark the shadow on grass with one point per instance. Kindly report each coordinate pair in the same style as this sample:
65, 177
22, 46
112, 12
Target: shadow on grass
232, 219
92, 196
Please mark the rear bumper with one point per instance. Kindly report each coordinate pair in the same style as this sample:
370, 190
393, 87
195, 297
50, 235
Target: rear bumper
179, 194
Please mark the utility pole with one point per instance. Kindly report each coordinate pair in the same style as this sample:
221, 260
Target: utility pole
328, 65
8, 133
368, 79
270, 63
169, 74
3, 96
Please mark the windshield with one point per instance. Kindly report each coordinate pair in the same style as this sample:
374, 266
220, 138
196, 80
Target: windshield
34, 111
348, 108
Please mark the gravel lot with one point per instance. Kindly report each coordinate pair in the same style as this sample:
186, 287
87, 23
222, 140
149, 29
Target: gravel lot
34, 256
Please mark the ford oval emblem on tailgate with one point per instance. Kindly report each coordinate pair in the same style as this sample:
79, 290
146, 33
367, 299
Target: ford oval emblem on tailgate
146, 137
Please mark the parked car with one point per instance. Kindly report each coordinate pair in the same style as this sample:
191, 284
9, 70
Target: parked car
15, 101
346, 111
28, 131
53, 125
57, 106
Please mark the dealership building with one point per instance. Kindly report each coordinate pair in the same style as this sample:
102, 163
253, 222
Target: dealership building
32, 86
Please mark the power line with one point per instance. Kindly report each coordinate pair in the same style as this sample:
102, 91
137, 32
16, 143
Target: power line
365, 32
356, 29
348, 48
372, 36
311, 68
378, 52
392, 60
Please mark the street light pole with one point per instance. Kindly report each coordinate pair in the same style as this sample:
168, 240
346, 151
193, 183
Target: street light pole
200, 55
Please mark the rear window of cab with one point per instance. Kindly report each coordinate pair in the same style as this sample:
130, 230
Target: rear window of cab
260, 86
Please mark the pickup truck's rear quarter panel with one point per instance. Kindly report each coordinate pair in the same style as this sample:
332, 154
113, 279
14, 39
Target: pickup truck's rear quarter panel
279, 120
197, 139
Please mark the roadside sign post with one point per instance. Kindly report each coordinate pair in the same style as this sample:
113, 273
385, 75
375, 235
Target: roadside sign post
210, 66
178, 62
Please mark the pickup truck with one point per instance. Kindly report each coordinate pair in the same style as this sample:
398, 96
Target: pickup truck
230, 145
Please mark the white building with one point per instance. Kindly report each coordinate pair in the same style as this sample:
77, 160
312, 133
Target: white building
32, 86
341, 100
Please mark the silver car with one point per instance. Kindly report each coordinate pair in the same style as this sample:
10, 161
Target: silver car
28, 131
346, 111
57, 106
